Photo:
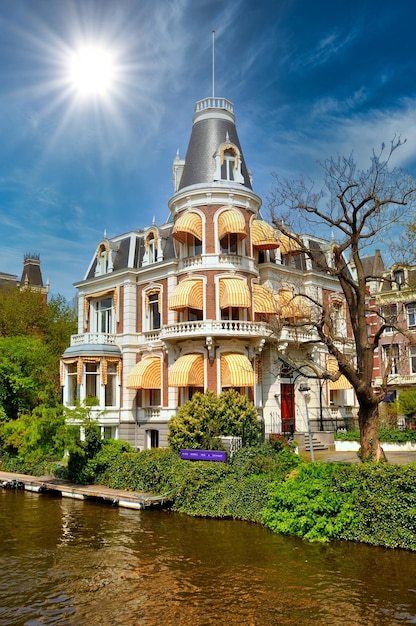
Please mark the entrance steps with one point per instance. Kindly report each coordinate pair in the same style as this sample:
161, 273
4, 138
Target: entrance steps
317, 443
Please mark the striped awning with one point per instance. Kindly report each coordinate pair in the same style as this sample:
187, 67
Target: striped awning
265, 301
236, 371
187, 295
231, 221
288, 245
263, 236
145, 374
187, 371
189, 223
342, 382
234, 292
293, 307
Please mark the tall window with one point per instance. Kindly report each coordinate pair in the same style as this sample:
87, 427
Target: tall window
413, 360
102, 261
152, 250
228, 165
91, 380
391, 357
388, 314
411, 314
152, 438
111, 386
229, 244
103, 310
338, 318
73, 387
153, 311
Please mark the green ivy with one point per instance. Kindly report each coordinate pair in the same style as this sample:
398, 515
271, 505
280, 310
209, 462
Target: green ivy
306, 505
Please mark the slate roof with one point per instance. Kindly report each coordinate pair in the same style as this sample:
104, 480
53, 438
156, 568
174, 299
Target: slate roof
207, 135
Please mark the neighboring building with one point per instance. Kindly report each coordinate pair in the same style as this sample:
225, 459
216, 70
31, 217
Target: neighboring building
394, 301
169, 310
31, 276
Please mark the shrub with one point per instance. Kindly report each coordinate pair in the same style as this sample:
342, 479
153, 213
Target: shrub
200, 422
306, 505
384, 503
387, 435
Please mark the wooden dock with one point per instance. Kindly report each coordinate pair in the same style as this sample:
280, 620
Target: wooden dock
66, 489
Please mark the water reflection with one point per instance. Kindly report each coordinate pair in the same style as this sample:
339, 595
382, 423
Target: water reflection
70, 562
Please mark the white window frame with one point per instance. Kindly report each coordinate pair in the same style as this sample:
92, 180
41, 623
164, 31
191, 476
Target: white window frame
411, 314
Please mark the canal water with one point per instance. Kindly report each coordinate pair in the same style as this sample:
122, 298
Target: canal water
72, 562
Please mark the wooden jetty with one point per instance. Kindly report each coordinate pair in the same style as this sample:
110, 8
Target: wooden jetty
66, 489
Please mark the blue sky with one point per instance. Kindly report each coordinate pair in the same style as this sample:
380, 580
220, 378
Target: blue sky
308, 80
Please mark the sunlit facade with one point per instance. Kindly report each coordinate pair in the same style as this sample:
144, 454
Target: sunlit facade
209, 300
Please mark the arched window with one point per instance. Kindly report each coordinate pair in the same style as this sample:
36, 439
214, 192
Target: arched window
102, 260
151, 248
228, 165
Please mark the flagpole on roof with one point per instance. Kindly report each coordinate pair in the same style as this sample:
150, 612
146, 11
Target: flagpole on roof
213, 63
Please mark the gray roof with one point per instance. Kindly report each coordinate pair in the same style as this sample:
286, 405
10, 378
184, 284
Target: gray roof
92, 349
206, 137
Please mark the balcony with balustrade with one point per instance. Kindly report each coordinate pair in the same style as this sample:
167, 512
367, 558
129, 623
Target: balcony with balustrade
218, 328
215, 261
83, 339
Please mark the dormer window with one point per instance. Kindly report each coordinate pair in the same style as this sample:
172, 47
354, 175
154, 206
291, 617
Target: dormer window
151, 248
398, 278
228, 164
102, 260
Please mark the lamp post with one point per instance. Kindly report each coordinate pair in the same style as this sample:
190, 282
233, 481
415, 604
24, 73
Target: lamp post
304, 389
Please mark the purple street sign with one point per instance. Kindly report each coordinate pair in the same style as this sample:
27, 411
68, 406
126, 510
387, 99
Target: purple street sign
204, 455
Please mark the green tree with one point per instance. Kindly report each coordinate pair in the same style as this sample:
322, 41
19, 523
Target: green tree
201, 421
357, 207
28, 375
61, 324
37, 438
33, 335
407, 403
22, 312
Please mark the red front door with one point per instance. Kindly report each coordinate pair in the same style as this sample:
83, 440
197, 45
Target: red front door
287, 408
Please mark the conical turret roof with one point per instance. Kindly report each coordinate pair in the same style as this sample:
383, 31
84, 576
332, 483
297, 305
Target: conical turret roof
213, 125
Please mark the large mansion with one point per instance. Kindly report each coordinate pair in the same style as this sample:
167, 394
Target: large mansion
207, 301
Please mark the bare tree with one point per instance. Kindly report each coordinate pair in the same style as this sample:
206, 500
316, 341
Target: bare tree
356, 208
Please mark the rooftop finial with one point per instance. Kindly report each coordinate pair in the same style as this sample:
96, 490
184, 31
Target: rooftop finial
213, 63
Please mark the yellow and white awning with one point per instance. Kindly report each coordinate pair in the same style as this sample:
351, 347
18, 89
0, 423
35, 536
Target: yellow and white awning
236, 371
231, 221
342, 382
187, 295
187, 371
263, 236
288, 245
145, 375
189, 223
265, 301
293, 307
234, 292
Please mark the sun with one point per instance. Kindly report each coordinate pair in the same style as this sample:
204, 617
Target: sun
92, 71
